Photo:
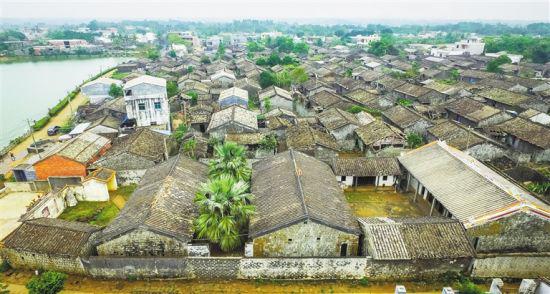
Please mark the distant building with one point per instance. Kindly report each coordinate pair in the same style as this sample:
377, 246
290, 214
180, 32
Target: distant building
233, 96
147, 102
98, 90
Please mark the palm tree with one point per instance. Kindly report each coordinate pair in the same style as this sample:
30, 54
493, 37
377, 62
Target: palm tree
224, 211
230, 159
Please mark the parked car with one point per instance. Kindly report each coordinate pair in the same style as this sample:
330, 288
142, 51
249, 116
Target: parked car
53, 130
64, 137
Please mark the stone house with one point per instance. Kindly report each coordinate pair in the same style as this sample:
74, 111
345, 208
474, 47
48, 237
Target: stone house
98, 90
224, 78
417, 93
325, 99
474, 113
501, 218
505, 100
73, 157
536, 116
97, 184
201, 89
158, 218
133, 154
378, 135
234, 119
311, 141
49, 243
106, 126
366, 171
465, 139
277, 97
387, 84
147, 102
416, 247
525, 137
249, 85
341, 125
474, 76
406, 119
300, 210
233, 96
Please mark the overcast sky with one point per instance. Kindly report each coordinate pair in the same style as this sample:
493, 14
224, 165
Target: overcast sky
304, 10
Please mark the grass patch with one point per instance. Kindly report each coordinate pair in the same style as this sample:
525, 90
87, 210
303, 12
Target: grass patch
39, 124
92, 212
119, 75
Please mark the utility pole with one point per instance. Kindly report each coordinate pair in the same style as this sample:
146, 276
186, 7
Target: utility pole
33, 140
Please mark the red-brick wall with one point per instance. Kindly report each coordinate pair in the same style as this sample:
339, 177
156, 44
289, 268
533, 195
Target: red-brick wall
58, 166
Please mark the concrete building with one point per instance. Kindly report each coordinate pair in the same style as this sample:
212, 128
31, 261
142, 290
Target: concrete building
147, 102
98, 90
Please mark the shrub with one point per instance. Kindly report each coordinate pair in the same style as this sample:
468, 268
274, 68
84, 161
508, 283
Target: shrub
467, 287
4, 266
364, 281
47, 283
269, 142
414, 140
39, 124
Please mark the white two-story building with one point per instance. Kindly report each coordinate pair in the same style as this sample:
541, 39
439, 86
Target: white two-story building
147, 102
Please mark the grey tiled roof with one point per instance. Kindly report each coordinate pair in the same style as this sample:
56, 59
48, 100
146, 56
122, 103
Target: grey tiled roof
466, 187
366, 166
51, 236
415, 238
334, 118
376, 131
402, 116
163, 201
84, 147
292, 187
233, 114
303, 138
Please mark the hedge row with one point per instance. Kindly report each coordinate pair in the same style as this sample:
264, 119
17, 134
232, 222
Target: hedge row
39, 124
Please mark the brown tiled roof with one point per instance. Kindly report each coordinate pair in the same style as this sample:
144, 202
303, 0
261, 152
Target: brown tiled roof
362, 96
325, 99
144, 142
389, 82
415, 238
471, 109
366, 166
376, 131
402, 116
334, 118
504, 96
51, 236
527, 131
83, 148
163, 201
455, 135
305, 138
245, 138
292, 187
412, 90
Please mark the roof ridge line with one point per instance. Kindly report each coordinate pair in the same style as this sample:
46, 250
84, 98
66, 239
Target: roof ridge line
298, 180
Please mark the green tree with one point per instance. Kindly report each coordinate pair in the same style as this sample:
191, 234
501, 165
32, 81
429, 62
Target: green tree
115, 91
189, 147
383, 47
319, 42
267, 104
172, 53
47, 283
194, 97
266, 79
455, 75
229, 159
414, 140
93, 25
298, 75
180, 132
205, 60
467, 287
494, 65
349, 72
153, 53
300, 48
190, 69
221, 50
268, 142
224, 211
172, 88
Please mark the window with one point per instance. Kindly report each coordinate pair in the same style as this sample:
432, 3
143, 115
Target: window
344, 250
153, 123
343, 178
128, 92
384, 178
289, 240
141, 106
157, 106
318, 238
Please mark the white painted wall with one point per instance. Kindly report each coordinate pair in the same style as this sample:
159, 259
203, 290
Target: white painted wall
95, 190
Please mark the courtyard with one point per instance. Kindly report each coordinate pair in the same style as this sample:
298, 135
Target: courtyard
380, 202
12, 206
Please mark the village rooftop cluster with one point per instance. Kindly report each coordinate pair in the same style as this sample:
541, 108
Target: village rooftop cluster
321, 133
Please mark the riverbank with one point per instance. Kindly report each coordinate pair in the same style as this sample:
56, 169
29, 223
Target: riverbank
79, 284
19, 149
32, 58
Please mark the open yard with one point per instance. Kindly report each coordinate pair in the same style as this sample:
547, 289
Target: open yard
99, 213
12, 206
384, 202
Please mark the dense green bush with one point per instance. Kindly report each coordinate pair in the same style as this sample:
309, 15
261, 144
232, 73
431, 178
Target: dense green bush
47, 283
39, 124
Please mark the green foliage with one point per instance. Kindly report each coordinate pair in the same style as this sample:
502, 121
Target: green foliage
221, 50
175, 38
172, 88
356, 109
189, 147
47, 283
364, 281
4, 288
153, 53
467, 287
224, 211
115, 91
494, 65
383, 47
180, 132
267, 104
229, 159
39, 124
4, 266
205, 60
254, 47
194, 97
267, 79
539, 188
404, 102
349, 72
414, 140
119, 75
172, 53
268, 142
534, 48
190, 69
298, 75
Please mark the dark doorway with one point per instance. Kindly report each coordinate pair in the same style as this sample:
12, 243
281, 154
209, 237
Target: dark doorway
344, 250
365, 181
